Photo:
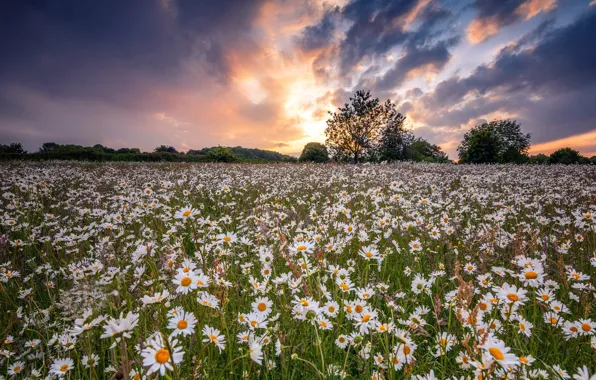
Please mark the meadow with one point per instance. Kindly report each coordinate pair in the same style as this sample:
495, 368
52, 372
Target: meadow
287, 271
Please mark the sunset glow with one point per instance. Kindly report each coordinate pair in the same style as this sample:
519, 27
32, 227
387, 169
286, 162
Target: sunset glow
265, 73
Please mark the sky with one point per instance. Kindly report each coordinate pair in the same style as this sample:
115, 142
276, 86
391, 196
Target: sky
265, 73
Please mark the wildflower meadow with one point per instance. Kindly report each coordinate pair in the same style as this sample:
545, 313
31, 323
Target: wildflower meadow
287, 271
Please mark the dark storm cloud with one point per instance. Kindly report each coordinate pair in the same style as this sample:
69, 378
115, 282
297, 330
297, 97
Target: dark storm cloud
504, 11
561, 61
320, 35
374, 29
435, 56
492, 15
114, 50
425, 47
551, 85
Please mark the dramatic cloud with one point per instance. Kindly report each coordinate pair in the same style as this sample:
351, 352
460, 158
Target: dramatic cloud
550, 86
265, 73
493, 15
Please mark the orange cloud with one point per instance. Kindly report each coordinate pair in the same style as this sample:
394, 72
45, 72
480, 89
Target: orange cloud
585, 143
482, 28
531, 8
413, 14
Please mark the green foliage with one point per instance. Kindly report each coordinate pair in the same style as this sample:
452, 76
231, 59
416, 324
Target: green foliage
222, 154
539, 159
247, 154
100, 153
422, 151
499, 141
12, 148
565, 156
395, 139
367, 130
166, 149
314, 152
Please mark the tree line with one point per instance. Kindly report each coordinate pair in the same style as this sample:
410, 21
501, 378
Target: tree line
363, 130
98, 152
366, 130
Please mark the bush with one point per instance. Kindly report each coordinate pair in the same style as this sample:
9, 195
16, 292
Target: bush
314, 152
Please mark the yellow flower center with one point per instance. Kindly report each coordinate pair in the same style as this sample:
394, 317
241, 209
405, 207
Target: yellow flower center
301, 248
586, 327
366, 318
496, 353
182, 324
227, 239
531, 275
162, 356
512, 297
186, 213
186, 281
64, 368
262, 307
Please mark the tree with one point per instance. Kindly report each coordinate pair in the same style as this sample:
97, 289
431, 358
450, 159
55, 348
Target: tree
222, 154
539, 159
352, 132
128, 151
395, 139
565, 156
499, 141
422, 150
166, 149
12, 148
314, 152
49, 147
